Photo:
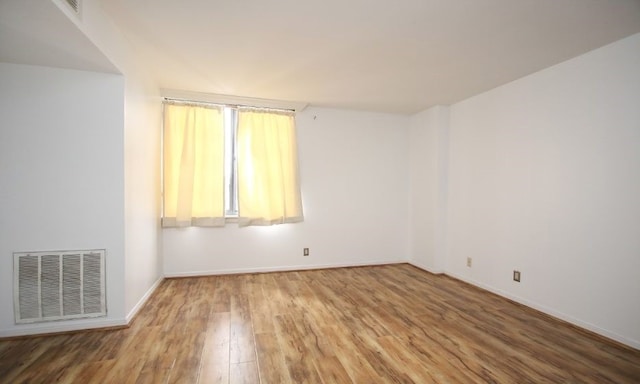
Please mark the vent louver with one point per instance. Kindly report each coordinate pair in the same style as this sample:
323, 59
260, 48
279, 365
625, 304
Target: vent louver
74, 4
59, 285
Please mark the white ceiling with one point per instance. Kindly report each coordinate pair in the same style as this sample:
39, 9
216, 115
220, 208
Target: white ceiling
36, 32
398, 56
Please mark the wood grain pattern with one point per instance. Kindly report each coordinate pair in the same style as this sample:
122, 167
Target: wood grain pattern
383, 324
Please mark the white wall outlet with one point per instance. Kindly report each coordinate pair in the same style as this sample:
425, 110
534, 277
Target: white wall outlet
516, 276
305, 252
469, 261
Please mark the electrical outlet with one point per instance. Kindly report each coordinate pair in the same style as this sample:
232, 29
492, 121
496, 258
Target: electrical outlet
305, 252
516, 276
469, 260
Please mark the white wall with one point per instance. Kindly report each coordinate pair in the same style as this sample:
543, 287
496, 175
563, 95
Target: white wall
143, 263
428, 170
545, 178
126, 126
61, 184
142, 127
354, 187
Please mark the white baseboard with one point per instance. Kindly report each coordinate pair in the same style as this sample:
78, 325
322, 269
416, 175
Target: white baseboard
280, 268
549, 311
425, 268
71, 325
134, 311
80, 324
86, 324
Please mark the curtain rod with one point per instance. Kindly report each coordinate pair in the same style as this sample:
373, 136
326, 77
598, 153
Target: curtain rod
239, 101
231, 105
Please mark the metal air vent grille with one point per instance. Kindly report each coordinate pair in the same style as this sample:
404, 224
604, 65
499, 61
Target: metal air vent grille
59, 285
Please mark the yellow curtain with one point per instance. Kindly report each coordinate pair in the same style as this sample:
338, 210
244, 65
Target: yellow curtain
267, 162
193, 158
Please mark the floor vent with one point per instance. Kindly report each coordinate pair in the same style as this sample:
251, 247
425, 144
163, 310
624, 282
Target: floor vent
59, 285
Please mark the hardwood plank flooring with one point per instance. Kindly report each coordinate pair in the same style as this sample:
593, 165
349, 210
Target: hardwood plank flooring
382, 324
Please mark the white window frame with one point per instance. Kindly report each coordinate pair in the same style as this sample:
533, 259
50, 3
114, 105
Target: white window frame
230, 167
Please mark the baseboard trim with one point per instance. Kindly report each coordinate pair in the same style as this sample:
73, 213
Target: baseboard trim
289, 268
48, 329
54, 329
612, 336
425, 268
134, 311
118, 323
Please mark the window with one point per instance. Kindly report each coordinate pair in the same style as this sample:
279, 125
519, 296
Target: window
224, 161
230, 180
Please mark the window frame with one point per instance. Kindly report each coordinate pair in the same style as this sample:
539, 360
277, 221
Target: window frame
230, 116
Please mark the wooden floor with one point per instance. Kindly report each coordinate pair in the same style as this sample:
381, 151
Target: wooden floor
386, 324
